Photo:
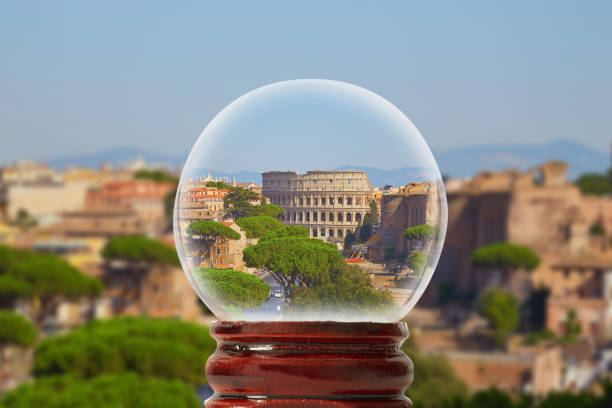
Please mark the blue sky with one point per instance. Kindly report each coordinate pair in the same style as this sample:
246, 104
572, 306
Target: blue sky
82, 77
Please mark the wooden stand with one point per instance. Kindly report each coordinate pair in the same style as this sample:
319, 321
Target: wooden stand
308, 365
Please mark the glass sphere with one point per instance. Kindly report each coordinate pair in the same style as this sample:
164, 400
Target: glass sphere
310, 200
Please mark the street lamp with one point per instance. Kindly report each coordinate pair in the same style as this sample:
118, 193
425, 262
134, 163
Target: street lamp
326, 148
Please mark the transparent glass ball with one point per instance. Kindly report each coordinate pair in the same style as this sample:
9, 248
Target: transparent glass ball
310, 200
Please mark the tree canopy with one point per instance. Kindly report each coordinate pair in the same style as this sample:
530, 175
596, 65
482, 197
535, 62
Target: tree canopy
162, 348
595, 183
294, 260
237, 203
314, 275
209, 228
505, 255
157, 175
139, 248
421, 232
234, 288
347, 289
417, 261
259, 225
501, 309
287, 231
44, 277
365, 229
125, 390
219, 184
16, 329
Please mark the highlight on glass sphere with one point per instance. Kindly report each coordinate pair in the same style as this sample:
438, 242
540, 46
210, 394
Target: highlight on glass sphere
310, 200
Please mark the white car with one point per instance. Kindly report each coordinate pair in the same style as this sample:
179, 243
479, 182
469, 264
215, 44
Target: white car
278, 293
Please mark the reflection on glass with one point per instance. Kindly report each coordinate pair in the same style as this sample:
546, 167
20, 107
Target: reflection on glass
310, 200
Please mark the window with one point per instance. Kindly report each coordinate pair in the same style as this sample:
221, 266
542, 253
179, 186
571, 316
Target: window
322, 232
218, 252
315, 216
349, 201
322, 216
331, 232
340, 232
331, 200
331, 217
323, 200
339, 217
315, 232
340, 200
308, 216
307, 200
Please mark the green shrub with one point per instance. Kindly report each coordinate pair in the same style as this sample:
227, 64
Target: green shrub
258, 226
107, 391
238, 289
16, 329
163, 348
139, 248
505, 255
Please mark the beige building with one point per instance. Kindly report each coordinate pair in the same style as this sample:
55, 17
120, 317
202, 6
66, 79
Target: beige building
329, 203
414, 204
538, 208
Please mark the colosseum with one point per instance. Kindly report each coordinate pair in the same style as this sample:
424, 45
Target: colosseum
330, 203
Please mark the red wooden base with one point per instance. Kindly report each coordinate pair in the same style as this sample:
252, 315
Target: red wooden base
309, 365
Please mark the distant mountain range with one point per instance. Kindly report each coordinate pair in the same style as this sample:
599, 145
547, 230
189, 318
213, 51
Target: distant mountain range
469, 160
457, 162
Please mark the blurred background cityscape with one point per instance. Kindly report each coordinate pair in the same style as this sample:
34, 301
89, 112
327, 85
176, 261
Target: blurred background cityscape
99, 105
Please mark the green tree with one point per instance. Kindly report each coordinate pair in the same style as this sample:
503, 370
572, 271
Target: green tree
238, 204
118, 391
505, 255
597, 229
387, 187
423, 231
287, 231
417, 261
16, 329
492, 397
43, 279
233, 288
220, 185
373, 212
157, 175
257, 226
594, 183
349, 240
136, 248
573, 328
161, 348
348, 289
501, 309
205, 233
294, 261
365, 230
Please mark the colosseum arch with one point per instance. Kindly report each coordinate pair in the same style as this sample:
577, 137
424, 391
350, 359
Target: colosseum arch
331, 233
340, 233
322, 215
331, 217
340, 218
349, 217
358, 217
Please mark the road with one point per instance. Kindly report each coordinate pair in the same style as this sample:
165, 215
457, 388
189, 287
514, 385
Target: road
273, 306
